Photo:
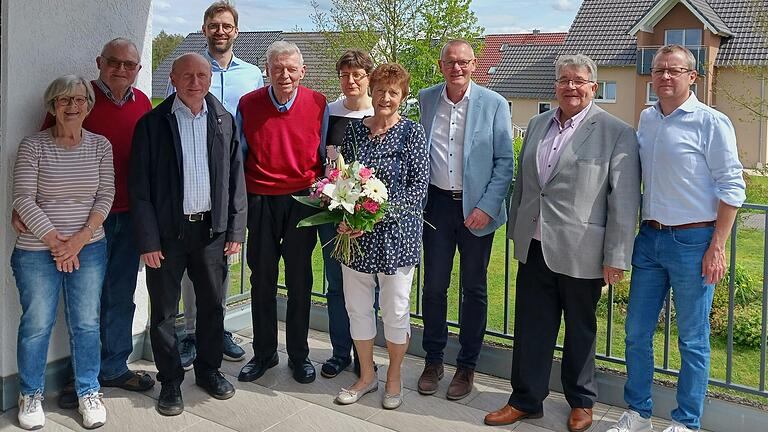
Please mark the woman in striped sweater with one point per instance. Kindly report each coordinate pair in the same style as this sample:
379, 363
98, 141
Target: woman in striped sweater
63, 189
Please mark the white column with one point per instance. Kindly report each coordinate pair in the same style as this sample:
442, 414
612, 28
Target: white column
41, 40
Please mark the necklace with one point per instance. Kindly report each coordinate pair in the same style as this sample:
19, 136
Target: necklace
378, 133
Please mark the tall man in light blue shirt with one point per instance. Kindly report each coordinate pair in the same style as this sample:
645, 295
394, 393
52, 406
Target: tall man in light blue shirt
231, 78
693, 187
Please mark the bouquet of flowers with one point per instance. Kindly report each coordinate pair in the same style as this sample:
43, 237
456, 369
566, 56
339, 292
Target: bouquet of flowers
352, 194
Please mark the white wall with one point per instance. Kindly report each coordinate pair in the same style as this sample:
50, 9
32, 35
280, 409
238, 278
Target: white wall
41, 40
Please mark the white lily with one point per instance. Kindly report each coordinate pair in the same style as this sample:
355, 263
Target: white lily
342, 193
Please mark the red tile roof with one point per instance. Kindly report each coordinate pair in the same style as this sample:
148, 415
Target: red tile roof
492, 49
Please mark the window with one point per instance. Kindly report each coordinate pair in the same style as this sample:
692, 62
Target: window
651, 97
544, 107
503, 47
685, 37
510, 108
491, 70
606, 91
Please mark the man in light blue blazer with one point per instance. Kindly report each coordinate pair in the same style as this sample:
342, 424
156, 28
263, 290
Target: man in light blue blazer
471, 166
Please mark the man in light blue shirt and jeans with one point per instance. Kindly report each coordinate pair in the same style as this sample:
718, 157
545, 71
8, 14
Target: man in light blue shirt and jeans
231, 78
693, 187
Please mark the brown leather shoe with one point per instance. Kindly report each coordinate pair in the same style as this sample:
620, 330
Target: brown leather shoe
461, 384
508, 415
429, 379
580, 419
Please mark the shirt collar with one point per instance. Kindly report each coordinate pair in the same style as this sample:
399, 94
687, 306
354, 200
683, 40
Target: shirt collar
178, 105
444, 94
690, 105
574, 121
215, 65
108, 93
282, 107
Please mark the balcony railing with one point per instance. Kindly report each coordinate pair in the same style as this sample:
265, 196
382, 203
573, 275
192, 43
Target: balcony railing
645, 59
607, 351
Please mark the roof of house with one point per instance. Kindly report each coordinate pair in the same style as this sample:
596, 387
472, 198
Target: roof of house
494, 46
526, 71
602, 28
252, 47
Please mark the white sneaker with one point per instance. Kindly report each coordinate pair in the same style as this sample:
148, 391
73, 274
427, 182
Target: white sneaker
631, 421
31, 415
677, 427
92, 409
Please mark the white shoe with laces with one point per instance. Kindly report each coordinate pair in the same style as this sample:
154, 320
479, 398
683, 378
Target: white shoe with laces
677, 427
31, 415
92, 409
631, 421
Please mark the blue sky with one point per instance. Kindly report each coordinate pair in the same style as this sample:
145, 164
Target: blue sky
497, 16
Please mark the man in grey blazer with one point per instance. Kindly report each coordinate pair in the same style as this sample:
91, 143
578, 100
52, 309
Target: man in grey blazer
471, 165
572, 219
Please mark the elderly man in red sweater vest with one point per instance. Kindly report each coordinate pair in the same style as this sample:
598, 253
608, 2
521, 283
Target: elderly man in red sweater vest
283, 129
118, 107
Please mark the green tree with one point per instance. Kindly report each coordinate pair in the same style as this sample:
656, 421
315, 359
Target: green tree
410, 32
162, 45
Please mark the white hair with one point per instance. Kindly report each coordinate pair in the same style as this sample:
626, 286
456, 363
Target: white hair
282, 47
576, 60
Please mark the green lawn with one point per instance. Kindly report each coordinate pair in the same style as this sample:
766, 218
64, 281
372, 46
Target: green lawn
757, 189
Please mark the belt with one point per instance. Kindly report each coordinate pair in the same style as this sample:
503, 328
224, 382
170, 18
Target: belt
197, 217
455, 195
659, 226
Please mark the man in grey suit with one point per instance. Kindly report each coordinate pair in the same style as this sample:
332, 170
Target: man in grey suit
573, 215
471, 165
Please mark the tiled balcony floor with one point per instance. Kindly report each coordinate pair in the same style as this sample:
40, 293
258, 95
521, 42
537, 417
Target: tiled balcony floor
276, 402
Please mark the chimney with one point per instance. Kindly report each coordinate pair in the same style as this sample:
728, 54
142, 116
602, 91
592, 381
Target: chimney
536, 31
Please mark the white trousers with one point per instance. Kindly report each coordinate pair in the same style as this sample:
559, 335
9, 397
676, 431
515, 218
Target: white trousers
394, 302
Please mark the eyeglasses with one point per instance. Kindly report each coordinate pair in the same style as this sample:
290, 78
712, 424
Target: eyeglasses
225, 27
116, 63
565, 82
462, 63
66, 100
673, 72
356, 76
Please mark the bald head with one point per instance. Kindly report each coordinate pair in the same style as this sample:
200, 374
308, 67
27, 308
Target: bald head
191, 75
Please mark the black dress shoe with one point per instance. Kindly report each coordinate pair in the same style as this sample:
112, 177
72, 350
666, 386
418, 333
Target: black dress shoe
333, 366
256, 367
216, 385
169, 403
303, 370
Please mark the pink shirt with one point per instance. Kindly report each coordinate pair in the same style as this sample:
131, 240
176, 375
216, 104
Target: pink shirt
552, 146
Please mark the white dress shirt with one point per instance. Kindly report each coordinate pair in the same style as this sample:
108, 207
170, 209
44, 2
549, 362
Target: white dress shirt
446, 155
193, 133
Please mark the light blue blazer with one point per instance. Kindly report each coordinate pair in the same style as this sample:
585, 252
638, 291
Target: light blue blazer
489, 158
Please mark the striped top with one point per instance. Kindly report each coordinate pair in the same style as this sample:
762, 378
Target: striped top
193, 134
57, 188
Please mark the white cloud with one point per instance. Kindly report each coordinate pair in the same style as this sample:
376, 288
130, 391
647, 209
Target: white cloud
161, 4
564, 5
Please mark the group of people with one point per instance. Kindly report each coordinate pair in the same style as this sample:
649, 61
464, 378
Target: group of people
109, 182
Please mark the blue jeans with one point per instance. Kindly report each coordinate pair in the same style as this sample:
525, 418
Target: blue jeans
117, 306
663, 259
39, 285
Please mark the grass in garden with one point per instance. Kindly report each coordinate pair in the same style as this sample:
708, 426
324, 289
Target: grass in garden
757, 189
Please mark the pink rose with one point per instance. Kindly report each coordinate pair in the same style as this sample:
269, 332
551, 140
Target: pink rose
365, 174
334, 174
371, 206
358, 207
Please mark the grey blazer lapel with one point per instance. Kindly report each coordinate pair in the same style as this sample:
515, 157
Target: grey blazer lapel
577, 140
537, 136
434, 103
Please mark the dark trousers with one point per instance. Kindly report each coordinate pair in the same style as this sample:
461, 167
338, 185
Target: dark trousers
542, 297
201, 254
440, 244
272, 234
117, 306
